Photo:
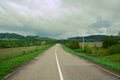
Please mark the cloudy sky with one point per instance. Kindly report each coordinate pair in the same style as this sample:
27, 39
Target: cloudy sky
60, 18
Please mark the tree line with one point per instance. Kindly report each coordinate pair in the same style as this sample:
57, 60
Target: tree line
23, 43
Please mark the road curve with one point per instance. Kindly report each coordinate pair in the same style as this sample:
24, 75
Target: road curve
56, 64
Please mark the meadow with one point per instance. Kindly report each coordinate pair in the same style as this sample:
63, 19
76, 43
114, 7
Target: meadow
6, 53
95, 49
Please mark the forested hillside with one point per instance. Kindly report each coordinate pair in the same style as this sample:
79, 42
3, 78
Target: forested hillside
8, 40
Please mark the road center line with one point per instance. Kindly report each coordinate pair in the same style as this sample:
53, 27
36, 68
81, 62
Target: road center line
58, 65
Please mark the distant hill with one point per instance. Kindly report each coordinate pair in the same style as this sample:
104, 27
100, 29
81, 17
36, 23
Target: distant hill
38, 38
13, 36
89, 38
7, 36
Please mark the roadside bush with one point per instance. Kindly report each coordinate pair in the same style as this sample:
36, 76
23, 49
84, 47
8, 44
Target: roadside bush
102, 52
87, 49
115, 49
73, 44
24, 52
109, 41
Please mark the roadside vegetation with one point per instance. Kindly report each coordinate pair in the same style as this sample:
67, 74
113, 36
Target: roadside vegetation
8, 53
108, 54
23, 43
12, 40
9, 64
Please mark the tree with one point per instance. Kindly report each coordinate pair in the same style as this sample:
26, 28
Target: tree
43, 43
119, 33
73, 44
115, 49
109, 41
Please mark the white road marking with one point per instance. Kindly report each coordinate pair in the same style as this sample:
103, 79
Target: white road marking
58, 65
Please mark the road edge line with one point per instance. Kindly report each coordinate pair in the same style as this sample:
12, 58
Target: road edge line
110, 72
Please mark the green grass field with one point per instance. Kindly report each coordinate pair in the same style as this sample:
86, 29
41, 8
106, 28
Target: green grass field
9, 65
13, 52
114, 57
113, 65
112, 53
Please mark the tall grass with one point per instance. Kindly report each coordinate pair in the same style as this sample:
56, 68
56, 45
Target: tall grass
114, 57
115, 49
113, 65
9, 65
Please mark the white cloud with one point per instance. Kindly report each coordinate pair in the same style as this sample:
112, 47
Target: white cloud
103, 30
19, 32
60, 18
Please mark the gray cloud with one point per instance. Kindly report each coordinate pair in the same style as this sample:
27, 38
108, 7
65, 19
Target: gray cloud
101, 23
60, 18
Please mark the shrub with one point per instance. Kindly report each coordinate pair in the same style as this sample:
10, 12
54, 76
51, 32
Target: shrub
115, 49
87, 49
109, 41
73, 44
24, 52
102, 52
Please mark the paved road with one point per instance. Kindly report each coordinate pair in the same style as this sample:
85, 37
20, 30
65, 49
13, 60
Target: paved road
56, 64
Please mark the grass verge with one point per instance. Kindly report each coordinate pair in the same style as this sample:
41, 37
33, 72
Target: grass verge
8, 66
113, 65
114, 57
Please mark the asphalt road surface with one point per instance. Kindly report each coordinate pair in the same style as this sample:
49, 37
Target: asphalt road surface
56, 64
